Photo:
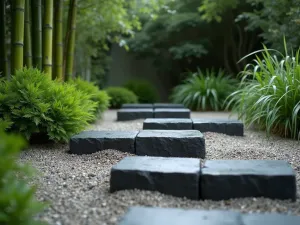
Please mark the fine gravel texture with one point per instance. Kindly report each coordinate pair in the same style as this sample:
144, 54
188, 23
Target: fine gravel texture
77, 186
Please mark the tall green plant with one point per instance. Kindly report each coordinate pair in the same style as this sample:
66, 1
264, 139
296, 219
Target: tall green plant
27, 36
36, 11
58, 40
3, 52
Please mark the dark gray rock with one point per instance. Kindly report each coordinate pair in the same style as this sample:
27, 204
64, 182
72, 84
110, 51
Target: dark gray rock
225, 126
173, 176
168, 124
172, 113
270, 219
167, 105
175, 216
171, 143
89, 142
134, 114
137, 106
225, 179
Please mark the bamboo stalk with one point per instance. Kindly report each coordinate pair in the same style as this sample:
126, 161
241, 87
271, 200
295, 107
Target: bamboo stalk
58, 41
36, 12
3, 53
27, 37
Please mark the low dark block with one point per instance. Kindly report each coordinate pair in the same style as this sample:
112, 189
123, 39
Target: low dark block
89, 142
174, 216
171, 143
225, 126
168, 124
173, 176
134, 114
137, 106
172, 113
167, 105
270, 219
225, 179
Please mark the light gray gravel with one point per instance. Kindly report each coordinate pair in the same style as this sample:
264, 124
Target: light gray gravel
77, 186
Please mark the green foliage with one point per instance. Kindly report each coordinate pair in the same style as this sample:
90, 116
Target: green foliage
205, 91
119, 96
270, 94
17, 201
36, 105
144, 90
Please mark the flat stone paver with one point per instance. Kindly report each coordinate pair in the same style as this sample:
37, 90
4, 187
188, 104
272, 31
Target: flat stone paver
170, 143
225, 179
89, 142
168, 124
168, 105
137, 106
134, 114
172, 113
173, 176
225, 126
270, 219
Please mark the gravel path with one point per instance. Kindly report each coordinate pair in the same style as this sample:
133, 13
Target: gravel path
77, 186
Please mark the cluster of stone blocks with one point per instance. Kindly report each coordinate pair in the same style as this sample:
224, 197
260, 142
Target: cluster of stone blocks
214, 179
225, 126
156, 110
167, 216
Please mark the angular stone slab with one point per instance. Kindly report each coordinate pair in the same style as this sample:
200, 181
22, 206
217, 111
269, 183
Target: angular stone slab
172, 113
137, 106
225, 179
171, 143
173, 176
134, 114
167, 105
176, 216
225, 126
270, 219
89, 142
167, 124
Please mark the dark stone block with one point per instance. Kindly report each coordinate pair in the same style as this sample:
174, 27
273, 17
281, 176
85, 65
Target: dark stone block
137, 106
172, 113
225, 179
171, 143
89, 142
134, 114
175, 216
167, 105
225, 126
270, 219
168, 124
173, 176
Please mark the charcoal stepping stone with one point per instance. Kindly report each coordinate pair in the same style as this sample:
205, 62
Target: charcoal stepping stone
137, 106
171, 143
225, 179
134, 114
168, 124
173, 176
89, 142
172, 113
167, 105
174, 216
225, 126
270, 219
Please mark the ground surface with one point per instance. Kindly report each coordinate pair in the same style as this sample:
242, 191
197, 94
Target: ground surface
78, 186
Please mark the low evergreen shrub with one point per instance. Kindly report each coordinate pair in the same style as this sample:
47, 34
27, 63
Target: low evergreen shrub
119, 96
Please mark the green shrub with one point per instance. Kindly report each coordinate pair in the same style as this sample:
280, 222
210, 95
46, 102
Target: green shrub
38, 106
17, 201
100, 97
119, 96
270, 94
143, 89
206, 91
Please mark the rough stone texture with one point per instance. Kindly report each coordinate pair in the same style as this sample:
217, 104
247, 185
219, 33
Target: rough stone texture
172, 176
174, 216
137, 106
168, 124
225, 179
225, 126
89, 142
172, 113
167, 105
134, 114
171, 143
270, 219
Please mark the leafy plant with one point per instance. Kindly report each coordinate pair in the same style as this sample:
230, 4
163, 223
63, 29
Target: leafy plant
206, 91
270, 93
38, 106
119, 96
17, 201
144, 90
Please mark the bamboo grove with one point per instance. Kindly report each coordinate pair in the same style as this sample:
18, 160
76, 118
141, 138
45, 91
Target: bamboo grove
32, 34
